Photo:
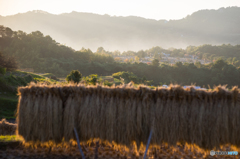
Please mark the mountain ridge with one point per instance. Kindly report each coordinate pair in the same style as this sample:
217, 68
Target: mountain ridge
90, 30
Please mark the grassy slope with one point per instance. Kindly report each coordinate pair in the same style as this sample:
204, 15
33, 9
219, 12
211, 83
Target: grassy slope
8, 107
8, 86
8, 96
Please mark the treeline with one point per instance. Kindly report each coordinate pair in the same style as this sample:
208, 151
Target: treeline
229, 53
7, 63
43, 54
207, 52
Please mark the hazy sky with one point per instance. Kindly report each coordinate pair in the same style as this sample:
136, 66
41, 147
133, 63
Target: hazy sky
154, 9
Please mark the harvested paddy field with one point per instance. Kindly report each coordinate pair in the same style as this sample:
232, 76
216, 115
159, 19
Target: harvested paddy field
103, 150
121, 122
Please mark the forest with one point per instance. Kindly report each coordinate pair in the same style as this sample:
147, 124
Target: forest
45, 55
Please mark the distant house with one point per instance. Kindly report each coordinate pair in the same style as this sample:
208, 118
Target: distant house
191, 56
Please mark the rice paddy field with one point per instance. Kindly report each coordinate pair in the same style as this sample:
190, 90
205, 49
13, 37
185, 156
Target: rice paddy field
13, 147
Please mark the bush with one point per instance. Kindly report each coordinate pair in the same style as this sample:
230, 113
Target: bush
117, 75
92, 79
2, 70
106, 83
127, 76
74, 76
54, 78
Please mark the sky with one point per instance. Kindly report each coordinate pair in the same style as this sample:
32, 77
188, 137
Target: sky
151, 9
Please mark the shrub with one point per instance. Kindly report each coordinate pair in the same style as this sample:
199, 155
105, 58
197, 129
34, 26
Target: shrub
106, 83
2, 70
117, 75
127, 76
53, 78
74, 76
92, 79
155, 62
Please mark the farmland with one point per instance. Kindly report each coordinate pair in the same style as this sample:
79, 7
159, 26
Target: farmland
135, 97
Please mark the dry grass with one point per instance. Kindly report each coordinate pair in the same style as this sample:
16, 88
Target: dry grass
125, 114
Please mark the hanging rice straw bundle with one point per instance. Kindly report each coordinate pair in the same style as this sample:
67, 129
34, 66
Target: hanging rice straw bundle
159, 110
57, 112
69, 118
22, 102
125, 114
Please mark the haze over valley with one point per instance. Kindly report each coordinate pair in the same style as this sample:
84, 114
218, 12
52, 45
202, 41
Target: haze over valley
88, 30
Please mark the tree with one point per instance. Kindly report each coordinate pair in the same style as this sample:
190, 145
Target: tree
155, 62
131, 60
198, 64
9, 63
137, 58
74, 76
219, 64
92, 79
126, 60
178, 64
157, 56
100, 50
118, 59
116, 53
141, 54
2, 59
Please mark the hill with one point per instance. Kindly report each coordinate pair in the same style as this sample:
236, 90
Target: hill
89, 30
43, 54
8, 89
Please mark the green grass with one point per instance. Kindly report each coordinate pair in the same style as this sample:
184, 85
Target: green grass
47, 75
34, 75
46, 80
117, 80
9, 138
8, 106
104, 77
8, 89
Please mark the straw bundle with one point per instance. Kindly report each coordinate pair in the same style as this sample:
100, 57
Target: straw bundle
7, 128
125, 114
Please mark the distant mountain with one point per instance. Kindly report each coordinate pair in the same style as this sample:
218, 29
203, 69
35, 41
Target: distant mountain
131, 33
